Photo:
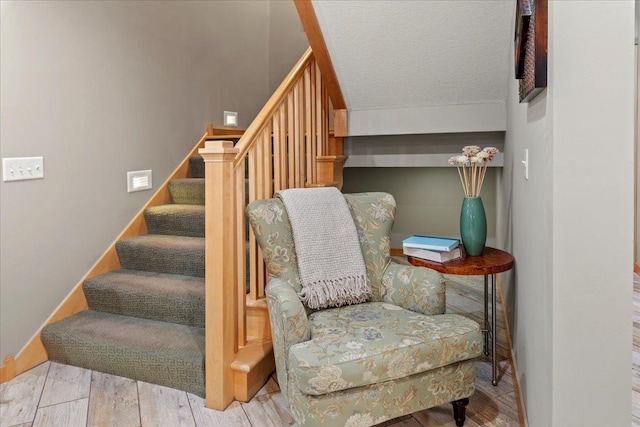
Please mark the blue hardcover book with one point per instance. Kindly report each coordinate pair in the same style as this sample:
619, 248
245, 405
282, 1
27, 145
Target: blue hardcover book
431, 243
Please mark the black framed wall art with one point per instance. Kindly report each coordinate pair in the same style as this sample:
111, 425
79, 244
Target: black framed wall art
530, 47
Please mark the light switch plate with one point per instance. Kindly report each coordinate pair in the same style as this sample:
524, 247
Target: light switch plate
21, 168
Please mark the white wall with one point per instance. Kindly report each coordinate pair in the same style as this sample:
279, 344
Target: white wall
418, 67
100, 88
417, 150
571, 302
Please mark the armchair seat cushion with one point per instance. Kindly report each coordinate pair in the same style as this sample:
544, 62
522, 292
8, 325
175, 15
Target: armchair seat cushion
375, 342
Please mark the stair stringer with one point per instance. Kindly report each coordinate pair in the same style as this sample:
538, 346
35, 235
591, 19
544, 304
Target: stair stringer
34, 352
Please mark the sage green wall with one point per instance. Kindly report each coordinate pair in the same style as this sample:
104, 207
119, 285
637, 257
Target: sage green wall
100, 88
414, 169
428, 199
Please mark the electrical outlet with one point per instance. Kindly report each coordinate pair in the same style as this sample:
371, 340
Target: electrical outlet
21, 168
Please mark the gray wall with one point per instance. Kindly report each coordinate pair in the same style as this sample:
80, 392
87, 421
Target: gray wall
100, 88
527, 233
570, 304
637, 257
287, 40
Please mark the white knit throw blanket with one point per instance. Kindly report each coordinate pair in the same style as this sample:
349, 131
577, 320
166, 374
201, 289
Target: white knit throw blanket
330, 261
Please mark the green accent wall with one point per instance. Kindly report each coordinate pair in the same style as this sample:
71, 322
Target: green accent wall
429, 199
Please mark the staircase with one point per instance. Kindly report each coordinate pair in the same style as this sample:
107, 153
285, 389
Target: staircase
142, 310
146, 320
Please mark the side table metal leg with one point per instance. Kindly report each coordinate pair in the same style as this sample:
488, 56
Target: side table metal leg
494, 361
486, 331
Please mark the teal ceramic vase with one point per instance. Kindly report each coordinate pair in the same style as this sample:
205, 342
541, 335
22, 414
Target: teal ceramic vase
473, 225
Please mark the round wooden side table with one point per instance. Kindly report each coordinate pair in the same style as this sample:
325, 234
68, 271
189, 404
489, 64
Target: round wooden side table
491, 262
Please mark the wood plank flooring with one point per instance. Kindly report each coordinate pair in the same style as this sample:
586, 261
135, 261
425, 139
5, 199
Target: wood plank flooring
57, 395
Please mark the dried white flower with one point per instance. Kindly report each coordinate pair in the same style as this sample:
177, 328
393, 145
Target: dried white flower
470, 150
463, 160
472, 167
491, 151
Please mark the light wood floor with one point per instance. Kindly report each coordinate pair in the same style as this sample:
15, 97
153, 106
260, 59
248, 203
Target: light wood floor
64, 396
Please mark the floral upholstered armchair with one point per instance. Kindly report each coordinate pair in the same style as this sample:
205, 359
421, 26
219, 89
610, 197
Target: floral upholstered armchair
362, 364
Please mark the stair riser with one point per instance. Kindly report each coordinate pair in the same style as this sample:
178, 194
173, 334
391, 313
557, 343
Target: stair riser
196, 166
187, 191
185, 261
94, 346
178, 224
149, 296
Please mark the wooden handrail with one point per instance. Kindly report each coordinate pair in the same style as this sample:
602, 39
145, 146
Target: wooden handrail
272, 104
317, 43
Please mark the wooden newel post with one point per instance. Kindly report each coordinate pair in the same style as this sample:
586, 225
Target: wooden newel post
220, 283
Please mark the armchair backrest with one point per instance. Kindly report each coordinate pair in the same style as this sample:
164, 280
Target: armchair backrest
373, 215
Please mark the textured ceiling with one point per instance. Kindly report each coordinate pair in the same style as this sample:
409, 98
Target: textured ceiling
408, 54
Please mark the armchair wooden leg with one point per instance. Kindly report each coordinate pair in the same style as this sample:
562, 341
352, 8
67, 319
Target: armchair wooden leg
459, 410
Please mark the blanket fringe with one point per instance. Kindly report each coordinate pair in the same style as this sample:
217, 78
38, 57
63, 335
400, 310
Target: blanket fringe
336, 292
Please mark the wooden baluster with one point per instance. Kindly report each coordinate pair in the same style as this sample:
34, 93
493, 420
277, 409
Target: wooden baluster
268, 160
258, 279
260, 167
254, 256
296, 139
282, 115
319, 107
220, 282
291, 141
311, 102
241, 248
325, 118
267, 192
300, 146
306, 118
277, 152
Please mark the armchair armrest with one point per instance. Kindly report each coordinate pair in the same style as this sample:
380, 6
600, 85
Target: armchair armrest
289, 324
417, 289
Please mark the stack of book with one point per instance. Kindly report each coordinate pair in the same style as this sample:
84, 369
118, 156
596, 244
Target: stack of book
438, 249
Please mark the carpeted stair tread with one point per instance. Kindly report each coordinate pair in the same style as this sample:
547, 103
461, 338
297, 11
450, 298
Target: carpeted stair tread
161, 353
156, 296
162, 254
187, 191
196, 165
179, 220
